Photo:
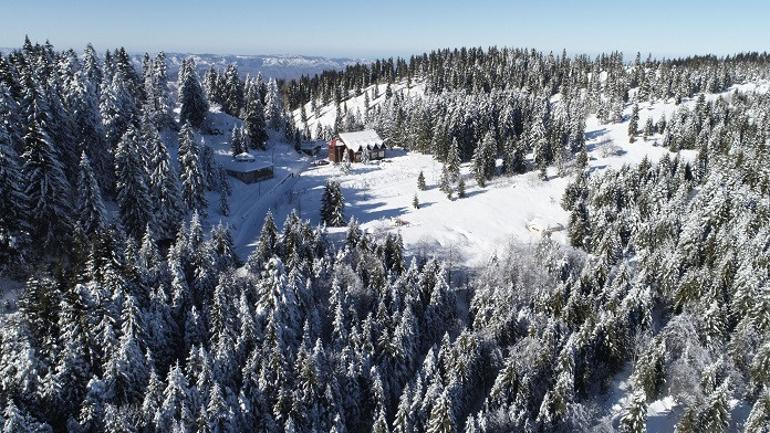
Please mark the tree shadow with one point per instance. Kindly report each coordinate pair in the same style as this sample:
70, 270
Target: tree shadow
596, 133
469, 194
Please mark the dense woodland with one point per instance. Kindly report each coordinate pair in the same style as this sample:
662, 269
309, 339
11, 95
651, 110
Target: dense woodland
148, 322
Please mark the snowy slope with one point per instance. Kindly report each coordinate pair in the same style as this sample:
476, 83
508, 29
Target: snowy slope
354, 104
467, 231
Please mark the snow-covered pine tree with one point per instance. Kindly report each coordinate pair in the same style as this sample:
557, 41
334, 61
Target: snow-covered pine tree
191, 175
89, 134
445, 185
46, 188
633, 123
538, 142
134, 201
273, 106
163, 185
421, 182
254, 124
193, 105
461, 188
759, 417
453, 160
14, 226
479, 172
634, 418
233, 91
236, 141
91, 213
333, 205
118, 108
442, 419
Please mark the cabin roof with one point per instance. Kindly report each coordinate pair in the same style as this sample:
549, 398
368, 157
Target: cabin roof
355, 141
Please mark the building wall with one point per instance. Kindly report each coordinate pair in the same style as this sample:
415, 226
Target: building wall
252, 176
337, 151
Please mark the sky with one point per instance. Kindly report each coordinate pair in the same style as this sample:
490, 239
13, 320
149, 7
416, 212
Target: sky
366, 29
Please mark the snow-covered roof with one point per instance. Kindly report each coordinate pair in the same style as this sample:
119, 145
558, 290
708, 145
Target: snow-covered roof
244, 157
542, 225
367, 138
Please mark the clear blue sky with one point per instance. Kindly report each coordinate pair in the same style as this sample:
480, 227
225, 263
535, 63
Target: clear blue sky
361, 28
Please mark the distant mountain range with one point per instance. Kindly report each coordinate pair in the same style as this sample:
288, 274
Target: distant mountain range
286, 66
272, 66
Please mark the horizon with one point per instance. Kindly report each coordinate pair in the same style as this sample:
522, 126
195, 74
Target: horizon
627, 56
346, 29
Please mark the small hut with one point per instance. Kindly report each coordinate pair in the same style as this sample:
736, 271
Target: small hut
355, 144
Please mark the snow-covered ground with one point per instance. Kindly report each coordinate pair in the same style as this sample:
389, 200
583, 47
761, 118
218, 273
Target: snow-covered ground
249, 203
467, 231
327, 113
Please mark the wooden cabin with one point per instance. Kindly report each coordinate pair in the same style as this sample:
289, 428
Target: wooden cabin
355, 144
247, 169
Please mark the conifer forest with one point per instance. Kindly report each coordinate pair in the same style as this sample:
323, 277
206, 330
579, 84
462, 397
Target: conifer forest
143, 288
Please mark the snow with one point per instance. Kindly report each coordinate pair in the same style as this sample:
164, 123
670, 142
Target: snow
244, 157
355, 104
464, 231
249, 203
662, 414
379, 195
367, 138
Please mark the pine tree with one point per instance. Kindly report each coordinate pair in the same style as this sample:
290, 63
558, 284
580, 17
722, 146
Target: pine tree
14, 420
333, 205
233, 91
192, 100
715, 415
538, 141
126, 372
461, 188
161, 98
236, 141
759, 418
442, 418
92, 216
266, 244
191, 175
649, 128
581, 160
254, 124
118, 108
633, 123
13, 205
453, 160
273, 106
421, 182
163, 186
415, 202
47, 188
579, 228
133, 198
634, 419
89, 134
479, 172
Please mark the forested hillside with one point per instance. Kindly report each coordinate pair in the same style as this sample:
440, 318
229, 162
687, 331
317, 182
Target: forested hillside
133, 315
